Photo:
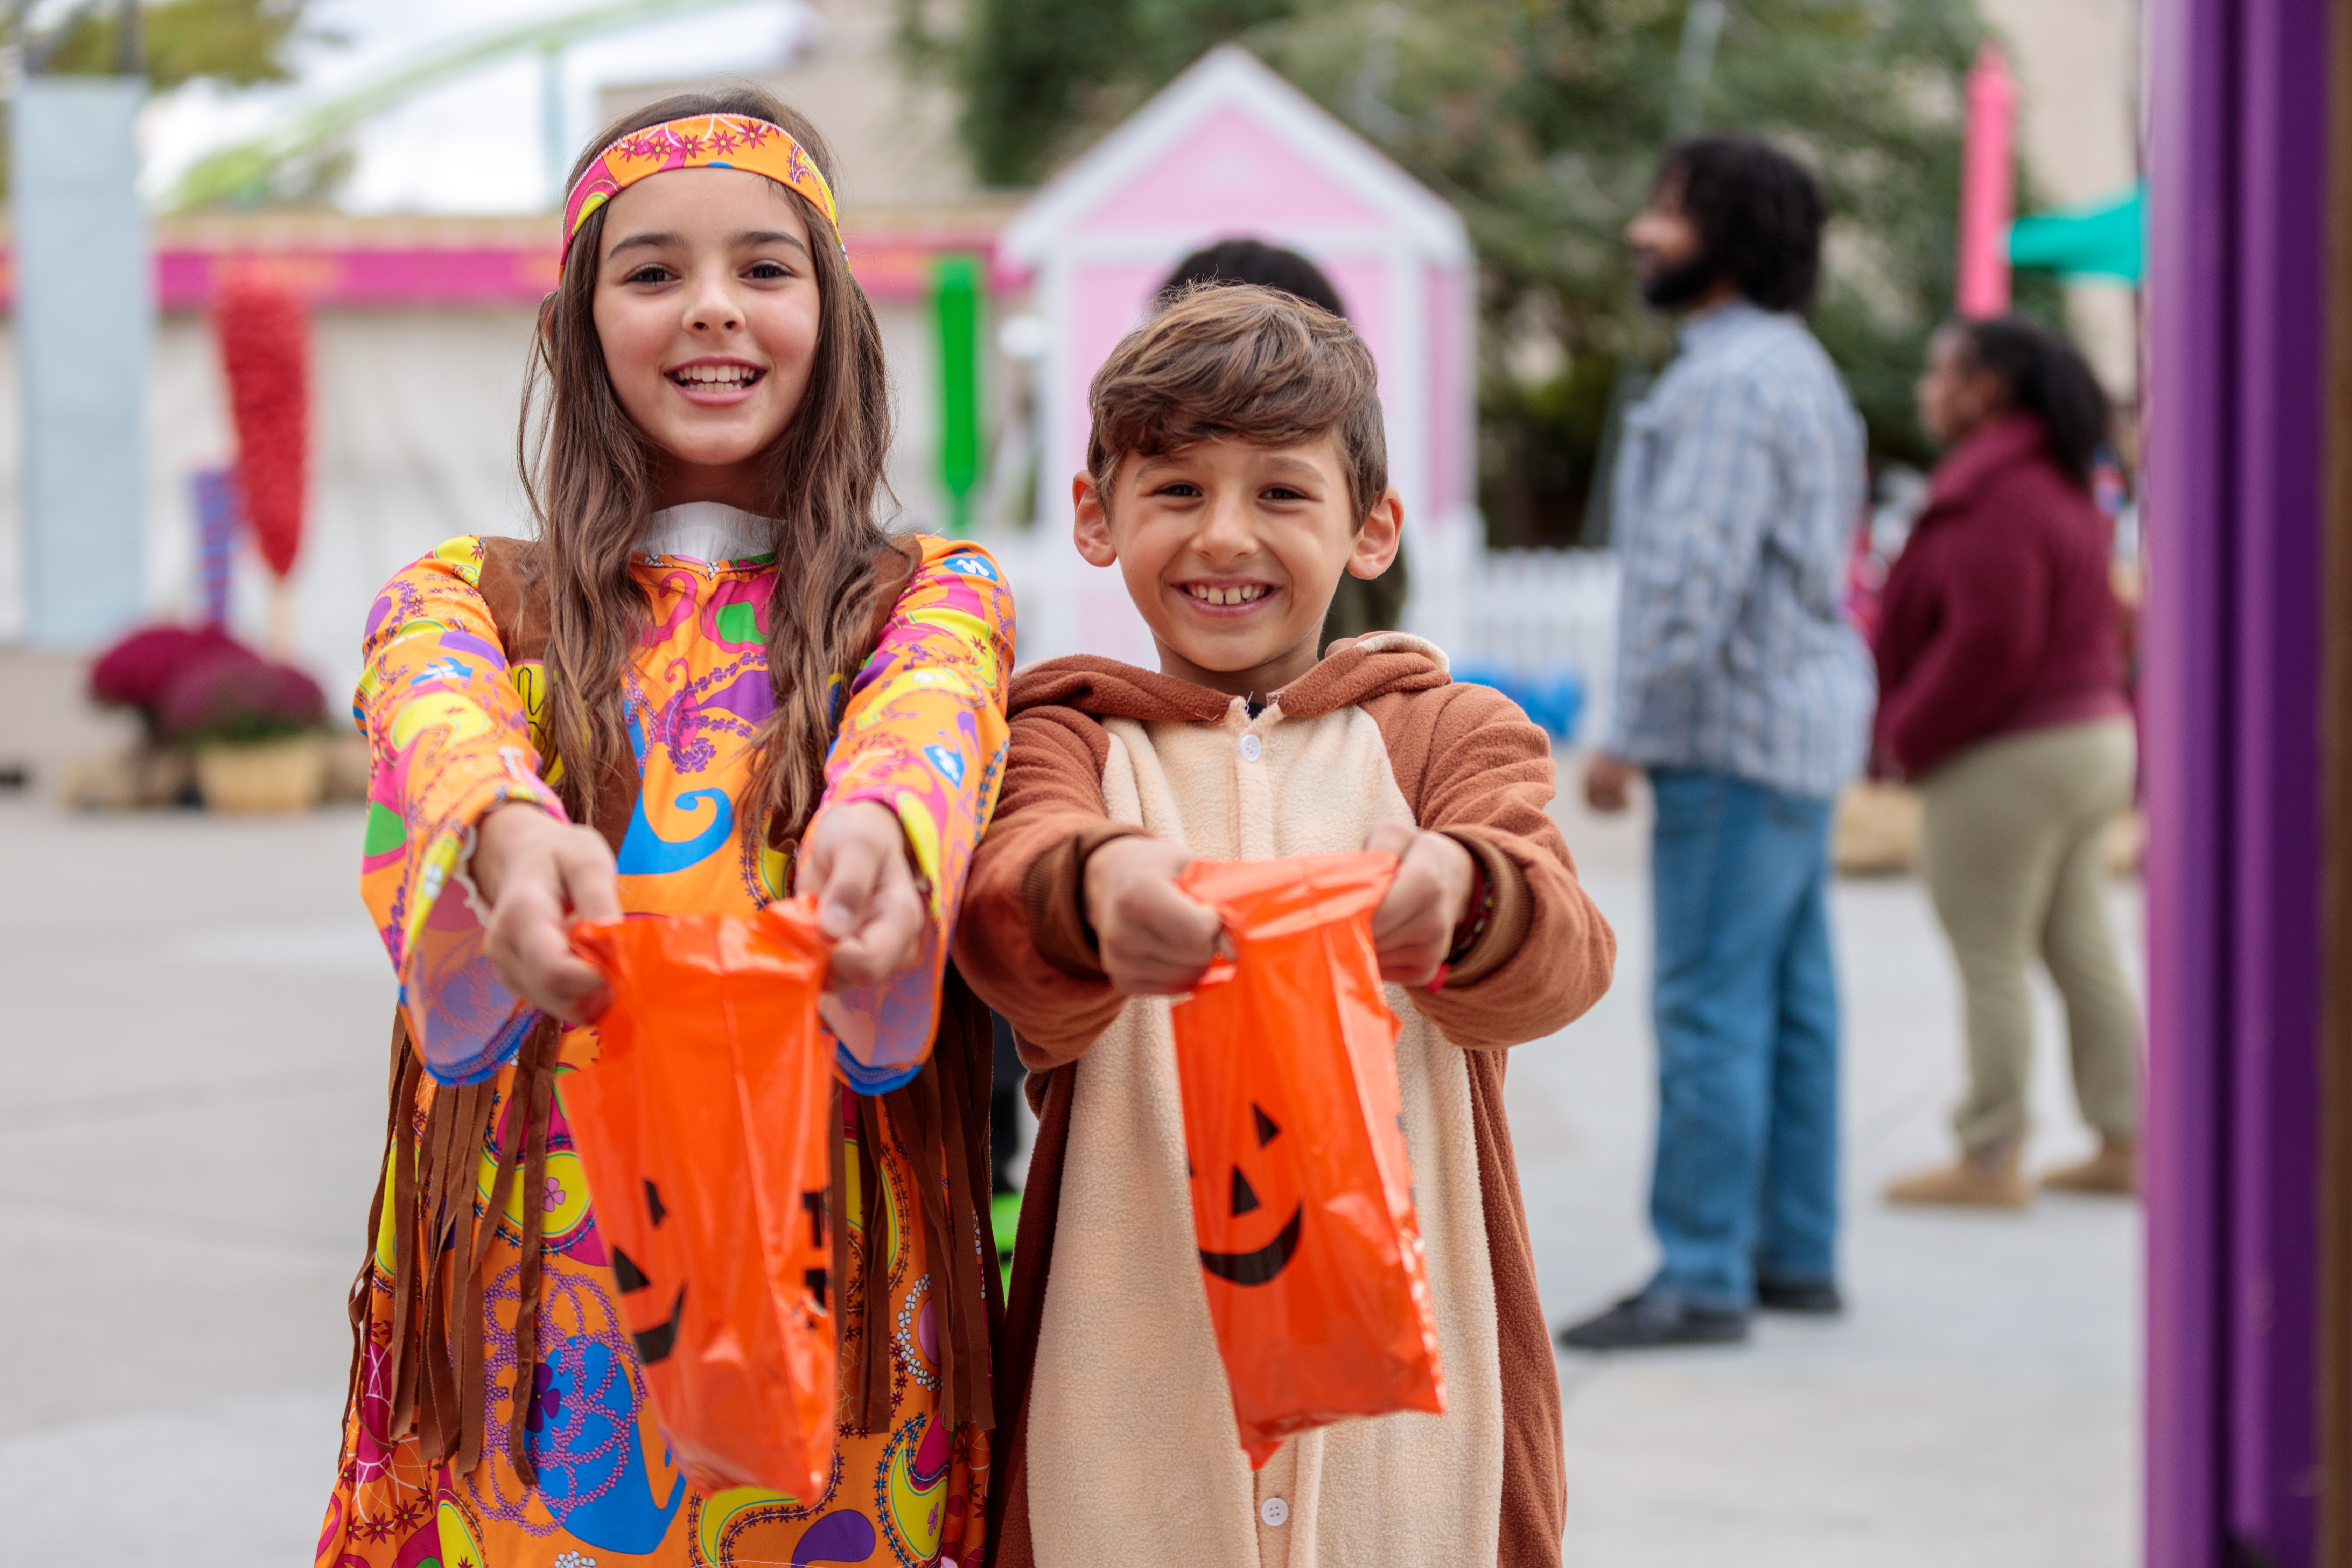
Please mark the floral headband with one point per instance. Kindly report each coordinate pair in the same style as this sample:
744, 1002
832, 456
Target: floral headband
699, 141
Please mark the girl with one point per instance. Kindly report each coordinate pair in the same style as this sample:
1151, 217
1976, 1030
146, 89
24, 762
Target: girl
712, 679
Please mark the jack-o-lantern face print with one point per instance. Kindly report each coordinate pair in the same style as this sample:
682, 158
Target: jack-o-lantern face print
1242, 1200
655, 1343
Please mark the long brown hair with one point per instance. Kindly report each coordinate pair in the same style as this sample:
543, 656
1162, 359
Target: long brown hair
590, 473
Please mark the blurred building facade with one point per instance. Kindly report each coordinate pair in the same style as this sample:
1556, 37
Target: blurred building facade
2078, 65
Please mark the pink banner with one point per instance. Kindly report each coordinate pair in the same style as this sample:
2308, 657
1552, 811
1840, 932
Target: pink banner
891, 268
1987, 172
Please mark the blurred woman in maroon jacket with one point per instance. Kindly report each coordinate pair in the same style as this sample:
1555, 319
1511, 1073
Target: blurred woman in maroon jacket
2001, 692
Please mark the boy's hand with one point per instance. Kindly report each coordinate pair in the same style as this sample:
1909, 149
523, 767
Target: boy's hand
538, 876
1413, 931
1153, 939
855, 864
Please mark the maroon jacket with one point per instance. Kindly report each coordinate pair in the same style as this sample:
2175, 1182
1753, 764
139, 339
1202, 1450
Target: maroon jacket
1999, 615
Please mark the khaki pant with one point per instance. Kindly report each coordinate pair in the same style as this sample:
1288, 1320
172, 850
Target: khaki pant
2013, 849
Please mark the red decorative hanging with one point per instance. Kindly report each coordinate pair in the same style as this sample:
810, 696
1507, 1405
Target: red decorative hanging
264, 343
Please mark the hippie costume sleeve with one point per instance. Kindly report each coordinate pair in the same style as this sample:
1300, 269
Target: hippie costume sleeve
451, 739
923, 732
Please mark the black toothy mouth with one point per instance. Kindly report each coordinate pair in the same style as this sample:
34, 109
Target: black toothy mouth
1257, 1267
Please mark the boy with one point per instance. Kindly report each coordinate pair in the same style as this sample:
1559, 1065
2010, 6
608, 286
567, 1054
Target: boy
1236, 469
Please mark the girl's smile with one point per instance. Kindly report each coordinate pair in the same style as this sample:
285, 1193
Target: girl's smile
716, 383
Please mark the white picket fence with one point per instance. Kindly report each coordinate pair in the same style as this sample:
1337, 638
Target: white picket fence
1539, 614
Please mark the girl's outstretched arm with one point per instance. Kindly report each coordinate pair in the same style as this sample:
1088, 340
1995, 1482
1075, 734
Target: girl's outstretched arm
449, 741
923, 735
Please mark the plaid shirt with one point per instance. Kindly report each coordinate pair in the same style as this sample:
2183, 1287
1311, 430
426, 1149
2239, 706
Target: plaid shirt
1738, 485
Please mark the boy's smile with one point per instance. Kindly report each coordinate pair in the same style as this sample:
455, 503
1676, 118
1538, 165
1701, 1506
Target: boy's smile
1234, 596
1231, 553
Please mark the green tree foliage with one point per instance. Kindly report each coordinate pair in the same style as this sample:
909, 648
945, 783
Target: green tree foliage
237, 42
1542, 120
1037, 74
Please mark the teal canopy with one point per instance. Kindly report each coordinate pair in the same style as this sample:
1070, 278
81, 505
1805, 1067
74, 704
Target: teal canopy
2097, 239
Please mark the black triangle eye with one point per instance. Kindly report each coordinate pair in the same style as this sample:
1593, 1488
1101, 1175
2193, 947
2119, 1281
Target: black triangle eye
626, 1272
1266, 1131
654, 1203
1245, 1198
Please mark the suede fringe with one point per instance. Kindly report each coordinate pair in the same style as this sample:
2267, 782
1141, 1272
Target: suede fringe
438, 1388
942, 1116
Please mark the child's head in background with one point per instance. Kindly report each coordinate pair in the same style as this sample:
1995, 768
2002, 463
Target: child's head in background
1236, 469
706, 343
1255, 261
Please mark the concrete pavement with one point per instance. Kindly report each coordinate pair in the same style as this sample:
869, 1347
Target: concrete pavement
193, 1021
193, 1029
1980, 1402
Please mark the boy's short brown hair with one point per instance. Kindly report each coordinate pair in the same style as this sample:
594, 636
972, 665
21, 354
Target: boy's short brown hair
1241, 363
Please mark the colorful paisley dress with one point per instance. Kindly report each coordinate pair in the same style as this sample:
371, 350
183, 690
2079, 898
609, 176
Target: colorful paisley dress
455, 732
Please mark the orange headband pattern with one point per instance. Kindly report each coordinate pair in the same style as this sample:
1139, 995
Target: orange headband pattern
699, 141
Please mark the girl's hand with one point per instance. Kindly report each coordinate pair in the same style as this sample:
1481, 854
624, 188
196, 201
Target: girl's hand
1413, 931
1154, 940
855, 864
538, 876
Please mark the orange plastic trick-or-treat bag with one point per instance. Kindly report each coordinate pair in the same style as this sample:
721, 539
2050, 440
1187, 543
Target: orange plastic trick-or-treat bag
1302, 1198
702, 1130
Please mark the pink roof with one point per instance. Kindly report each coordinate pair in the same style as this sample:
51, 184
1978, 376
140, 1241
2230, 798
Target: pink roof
1232, 174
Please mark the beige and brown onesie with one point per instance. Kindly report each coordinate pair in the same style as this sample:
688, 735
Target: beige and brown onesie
1120, 1445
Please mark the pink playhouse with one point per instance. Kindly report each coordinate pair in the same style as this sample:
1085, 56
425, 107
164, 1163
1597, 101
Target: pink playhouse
1229, 150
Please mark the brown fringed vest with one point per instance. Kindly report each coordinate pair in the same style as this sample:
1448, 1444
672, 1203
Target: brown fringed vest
435, 1134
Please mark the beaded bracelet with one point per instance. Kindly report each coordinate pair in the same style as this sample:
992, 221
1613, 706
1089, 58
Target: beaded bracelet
1482, 911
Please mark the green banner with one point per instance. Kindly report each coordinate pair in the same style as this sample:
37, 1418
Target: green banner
955, 295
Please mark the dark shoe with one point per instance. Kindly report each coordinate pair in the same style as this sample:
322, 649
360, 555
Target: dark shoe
1655, 1319
1814, 1298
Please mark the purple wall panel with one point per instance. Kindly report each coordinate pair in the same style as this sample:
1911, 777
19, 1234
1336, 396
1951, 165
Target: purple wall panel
2187, 472
2236, 137
2275, 831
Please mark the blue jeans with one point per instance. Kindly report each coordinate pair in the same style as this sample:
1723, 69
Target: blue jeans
1745, 1005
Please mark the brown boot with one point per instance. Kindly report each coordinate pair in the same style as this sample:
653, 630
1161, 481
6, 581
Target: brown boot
2114, 1170
1985, 1179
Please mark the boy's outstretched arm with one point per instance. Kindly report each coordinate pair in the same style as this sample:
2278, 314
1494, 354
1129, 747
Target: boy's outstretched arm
1022, 943
1475, 769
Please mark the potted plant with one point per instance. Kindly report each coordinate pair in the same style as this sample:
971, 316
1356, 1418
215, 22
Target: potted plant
256, 731
134, 674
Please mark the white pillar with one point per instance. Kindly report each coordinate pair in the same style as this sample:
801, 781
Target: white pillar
85, 321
